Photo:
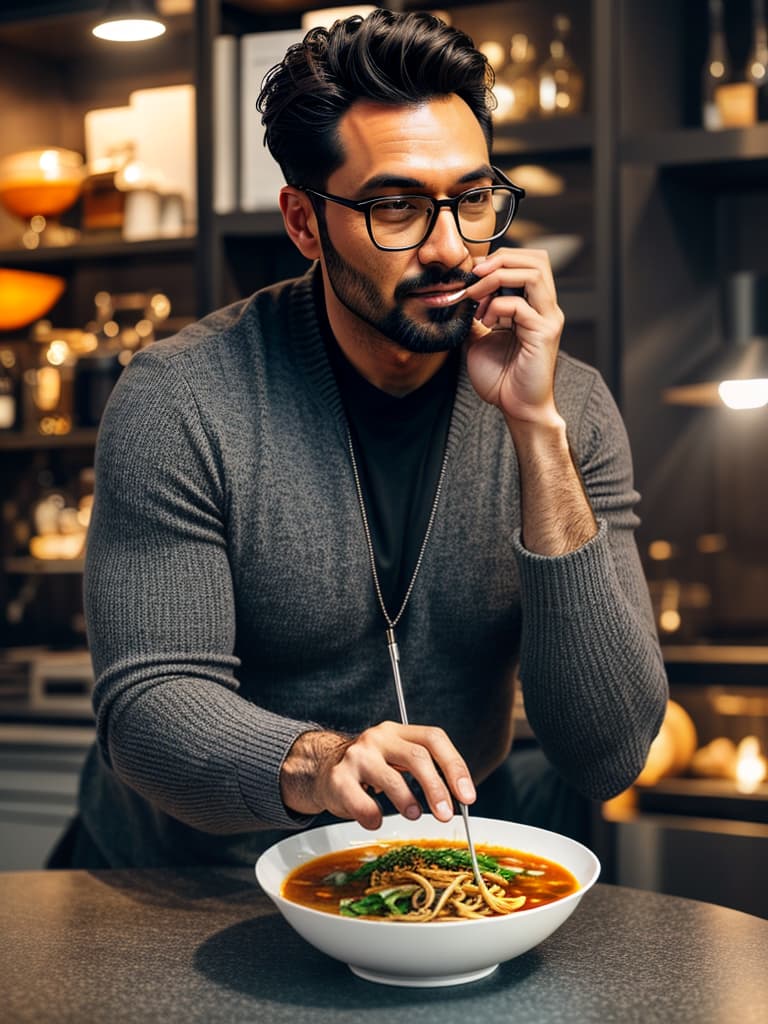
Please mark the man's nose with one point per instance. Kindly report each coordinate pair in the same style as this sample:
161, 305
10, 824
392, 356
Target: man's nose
444, 243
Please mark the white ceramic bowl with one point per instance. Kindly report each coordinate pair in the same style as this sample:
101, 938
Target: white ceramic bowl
430, 954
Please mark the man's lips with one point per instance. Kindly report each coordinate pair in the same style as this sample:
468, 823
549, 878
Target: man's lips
440, 296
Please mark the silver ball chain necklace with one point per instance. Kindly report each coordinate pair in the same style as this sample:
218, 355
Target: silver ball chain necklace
394, 652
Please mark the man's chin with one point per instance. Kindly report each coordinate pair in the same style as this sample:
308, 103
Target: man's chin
434, 337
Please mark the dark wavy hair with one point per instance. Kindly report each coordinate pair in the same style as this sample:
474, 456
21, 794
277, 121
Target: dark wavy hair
394, 58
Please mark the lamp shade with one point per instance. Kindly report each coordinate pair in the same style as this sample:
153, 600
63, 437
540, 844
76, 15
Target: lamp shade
737, 375
129, 21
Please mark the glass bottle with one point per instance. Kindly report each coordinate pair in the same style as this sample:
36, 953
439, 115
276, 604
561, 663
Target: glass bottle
756, 70
50, 382
9, 390
561, 83
518, 79
717, 69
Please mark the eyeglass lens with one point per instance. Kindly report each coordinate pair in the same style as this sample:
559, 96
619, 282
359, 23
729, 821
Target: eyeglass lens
404, 221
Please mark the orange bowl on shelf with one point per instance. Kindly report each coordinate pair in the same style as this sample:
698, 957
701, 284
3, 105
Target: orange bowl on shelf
26, 296
42, 182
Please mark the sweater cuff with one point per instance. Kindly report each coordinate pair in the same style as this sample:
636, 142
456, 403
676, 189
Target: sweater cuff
259, 773
566, 583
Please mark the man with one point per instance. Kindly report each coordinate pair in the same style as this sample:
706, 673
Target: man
363, 463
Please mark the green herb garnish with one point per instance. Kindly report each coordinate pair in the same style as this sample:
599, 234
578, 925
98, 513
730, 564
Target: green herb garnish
448, 858
386, 903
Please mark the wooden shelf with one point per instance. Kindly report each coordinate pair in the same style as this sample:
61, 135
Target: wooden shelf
98, 248
558, 135
28, 566
84, 438
738, 153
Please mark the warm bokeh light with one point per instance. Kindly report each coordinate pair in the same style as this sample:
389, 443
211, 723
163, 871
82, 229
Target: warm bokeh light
129, 30
750, 765
744, 394
57, 353
711, 543
669, 621
660, 550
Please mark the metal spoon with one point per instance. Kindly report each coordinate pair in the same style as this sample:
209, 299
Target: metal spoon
473, 856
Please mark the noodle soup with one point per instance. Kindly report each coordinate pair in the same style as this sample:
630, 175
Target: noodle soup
423, 880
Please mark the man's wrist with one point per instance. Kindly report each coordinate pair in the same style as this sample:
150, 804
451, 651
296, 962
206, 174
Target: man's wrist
304, 764
546, 431
556, 513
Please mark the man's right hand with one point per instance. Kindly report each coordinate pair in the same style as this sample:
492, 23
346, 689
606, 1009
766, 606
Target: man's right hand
327, 771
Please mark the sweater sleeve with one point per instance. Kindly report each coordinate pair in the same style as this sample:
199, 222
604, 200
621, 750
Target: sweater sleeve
161, 618
593, 678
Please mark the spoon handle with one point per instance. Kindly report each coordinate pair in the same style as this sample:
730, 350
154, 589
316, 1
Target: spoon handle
475, 866
394, 657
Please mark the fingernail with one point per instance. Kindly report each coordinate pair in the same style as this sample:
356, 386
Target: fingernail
413, 812
444, 810
466, 789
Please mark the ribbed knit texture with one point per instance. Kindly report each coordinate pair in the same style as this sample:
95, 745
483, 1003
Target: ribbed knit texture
230, 605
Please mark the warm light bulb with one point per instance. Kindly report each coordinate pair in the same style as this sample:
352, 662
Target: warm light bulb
57, 353
129, 30
744, 394
750, 765
670, 621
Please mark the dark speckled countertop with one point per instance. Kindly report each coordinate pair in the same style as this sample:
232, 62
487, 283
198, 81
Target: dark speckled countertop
206, 945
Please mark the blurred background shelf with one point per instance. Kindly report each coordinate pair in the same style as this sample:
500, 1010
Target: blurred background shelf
694, 146
98, 248
81, 438
29, 566
547, 137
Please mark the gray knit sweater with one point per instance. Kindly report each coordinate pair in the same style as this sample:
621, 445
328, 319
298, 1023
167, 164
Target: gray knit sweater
230, 605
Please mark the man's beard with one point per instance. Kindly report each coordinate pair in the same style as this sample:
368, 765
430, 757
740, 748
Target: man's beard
447, 327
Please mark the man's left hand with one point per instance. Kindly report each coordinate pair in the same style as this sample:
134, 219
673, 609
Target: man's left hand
513, 346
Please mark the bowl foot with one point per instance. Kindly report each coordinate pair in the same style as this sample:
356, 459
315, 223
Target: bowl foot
433, 981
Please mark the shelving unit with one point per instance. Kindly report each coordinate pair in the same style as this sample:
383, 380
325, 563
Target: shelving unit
693, 146
665, 207
97, 247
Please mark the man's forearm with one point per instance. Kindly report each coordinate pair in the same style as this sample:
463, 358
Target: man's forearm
556, 514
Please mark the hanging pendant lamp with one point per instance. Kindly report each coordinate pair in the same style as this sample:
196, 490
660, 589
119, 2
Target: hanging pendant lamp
736, 376
129, 21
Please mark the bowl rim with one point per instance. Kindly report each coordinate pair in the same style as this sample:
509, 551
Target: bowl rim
595, 868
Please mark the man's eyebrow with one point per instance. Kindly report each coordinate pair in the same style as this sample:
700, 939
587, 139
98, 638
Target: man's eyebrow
384, 180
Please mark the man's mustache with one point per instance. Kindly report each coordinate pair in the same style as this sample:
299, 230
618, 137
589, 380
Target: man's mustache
431, 277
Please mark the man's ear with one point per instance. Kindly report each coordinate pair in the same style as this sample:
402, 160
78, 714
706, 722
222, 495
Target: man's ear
300, 221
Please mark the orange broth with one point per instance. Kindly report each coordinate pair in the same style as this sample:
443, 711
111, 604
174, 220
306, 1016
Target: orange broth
308, 885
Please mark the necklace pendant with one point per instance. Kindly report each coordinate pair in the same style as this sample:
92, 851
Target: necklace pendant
394, 657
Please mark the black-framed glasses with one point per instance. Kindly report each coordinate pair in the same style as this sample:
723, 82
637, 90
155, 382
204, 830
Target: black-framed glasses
400, 222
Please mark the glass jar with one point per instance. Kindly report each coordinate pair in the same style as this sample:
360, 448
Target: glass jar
9, 390
561, 83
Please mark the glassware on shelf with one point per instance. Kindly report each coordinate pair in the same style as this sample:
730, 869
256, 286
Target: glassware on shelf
560, 82
38, 186
516, 84
9, 389
103, 201
123, 324
49, 384
717, 68
756, 70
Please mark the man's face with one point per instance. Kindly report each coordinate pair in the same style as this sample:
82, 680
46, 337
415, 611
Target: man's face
435, 149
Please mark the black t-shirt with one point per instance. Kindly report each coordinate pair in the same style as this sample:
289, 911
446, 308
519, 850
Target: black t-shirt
399, 445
